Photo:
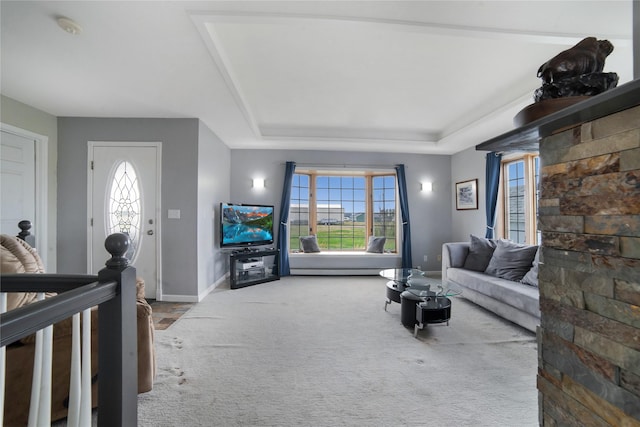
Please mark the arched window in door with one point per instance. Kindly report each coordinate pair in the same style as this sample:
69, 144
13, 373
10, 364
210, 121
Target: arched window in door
125, 206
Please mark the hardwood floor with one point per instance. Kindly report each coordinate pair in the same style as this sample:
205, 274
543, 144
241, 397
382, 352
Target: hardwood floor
166, 313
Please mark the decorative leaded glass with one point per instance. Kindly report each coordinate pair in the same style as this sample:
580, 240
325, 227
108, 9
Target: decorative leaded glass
125, 206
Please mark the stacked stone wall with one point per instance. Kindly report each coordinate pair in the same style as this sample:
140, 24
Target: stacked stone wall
589, 215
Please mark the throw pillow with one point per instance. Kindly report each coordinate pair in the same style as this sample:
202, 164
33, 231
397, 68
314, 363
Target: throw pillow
376, 244
309, 244
511, 261
531, 278
17, 256
480, 252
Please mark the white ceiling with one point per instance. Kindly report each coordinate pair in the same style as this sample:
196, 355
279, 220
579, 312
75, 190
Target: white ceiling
386, 76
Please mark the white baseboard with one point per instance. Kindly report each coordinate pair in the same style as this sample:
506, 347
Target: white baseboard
348, 272
179, 298
200, 296
213, 286
334, 272
433, 273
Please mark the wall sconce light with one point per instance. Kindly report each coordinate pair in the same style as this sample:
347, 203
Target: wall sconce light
426, 187
258, 183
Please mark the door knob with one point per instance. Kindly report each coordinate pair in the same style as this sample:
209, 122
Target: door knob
150, 232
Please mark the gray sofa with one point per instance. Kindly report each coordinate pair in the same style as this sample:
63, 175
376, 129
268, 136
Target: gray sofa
511, 299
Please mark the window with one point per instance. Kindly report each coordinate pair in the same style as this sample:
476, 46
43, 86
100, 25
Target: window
536, 168
384, 209
514, 201
299, 207
520, 197
343, 209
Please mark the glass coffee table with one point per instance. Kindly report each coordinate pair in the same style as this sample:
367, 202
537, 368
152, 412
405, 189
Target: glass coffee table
432, 308
423, 300
400, 279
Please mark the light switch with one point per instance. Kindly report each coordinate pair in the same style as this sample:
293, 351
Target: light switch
173, 213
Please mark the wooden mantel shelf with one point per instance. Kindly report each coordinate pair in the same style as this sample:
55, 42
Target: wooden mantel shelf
526, 138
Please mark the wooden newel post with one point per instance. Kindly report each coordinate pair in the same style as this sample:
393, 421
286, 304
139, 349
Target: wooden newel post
118, 351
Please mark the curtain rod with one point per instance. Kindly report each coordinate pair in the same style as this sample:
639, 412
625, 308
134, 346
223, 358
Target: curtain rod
343, 166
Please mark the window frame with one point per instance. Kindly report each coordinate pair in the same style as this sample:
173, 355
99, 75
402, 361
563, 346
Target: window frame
530, 196
369, 225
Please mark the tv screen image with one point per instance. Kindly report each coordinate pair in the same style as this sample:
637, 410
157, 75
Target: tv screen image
245, 225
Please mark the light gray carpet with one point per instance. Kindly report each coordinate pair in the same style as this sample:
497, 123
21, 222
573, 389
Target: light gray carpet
321, 351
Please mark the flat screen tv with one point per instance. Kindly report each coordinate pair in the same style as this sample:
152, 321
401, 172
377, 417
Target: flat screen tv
245, 225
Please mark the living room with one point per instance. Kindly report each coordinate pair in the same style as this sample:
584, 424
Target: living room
200, 169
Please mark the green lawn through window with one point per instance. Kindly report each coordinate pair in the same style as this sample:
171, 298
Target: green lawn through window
350, 235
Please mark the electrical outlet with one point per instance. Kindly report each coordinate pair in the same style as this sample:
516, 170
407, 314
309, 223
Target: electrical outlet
439, 257
425, 258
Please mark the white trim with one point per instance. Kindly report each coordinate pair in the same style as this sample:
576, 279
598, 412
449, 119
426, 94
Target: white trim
342, 262
335, 272
180, 298
205, 22
348, 272
219, 56
90, 146
217, 284
158, 145
40, 226
318, 133
556, 37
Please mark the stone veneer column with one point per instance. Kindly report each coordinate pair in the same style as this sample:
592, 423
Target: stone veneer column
589, 214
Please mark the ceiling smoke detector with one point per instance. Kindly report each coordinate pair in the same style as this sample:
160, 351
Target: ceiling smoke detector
69, 25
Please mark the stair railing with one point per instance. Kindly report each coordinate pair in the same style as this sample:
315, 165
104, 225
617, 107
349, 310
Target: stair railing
113, 290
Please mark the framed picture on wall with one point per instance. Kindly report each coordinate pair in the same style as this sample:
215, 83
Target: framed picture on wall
467, 195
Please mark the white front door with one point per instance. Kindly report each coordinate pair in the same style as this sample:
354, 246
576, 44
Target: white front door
124, 197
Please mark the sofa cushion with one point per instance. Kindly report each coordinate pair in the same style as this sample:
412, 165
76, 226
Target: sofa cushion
376, 244
309, 244
515, 294
454, 254
531, 278
480, 252
511, 261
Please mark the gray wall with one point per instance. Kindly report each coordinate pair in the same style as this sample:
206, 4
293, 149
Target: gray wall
22, 116
214, 161
179, 139
430, 213
199, 171
466, 165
